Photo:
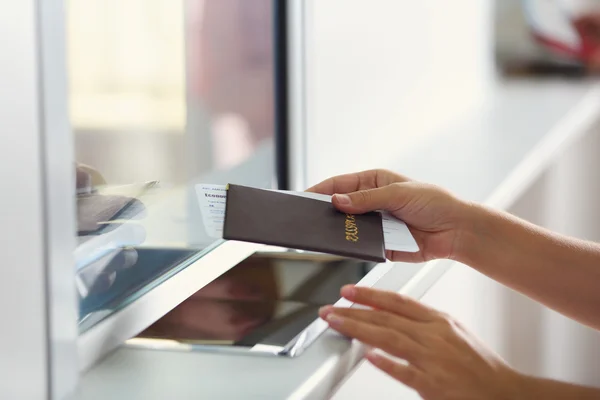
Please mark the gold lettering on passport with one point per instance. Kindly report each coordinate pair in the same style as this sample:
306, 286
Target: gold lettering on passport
351, 228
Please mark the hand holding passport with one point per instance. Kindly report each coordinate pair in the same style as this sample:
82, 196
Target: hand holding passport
300, 220
286, 220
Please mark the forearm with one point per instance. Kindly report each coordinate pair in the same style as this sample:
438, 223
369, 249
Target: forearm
538, 388
560, 272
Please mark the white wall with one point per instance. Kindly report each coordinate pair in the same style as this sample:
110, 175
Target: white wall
530, 337
383, 73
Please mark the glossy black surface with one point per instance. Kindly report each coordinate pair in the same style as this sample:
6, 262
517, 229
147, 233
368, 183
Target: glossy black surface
266, 299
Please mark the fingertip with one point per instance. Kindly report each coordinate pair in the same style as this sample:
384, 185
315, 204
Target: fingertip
325, 311
374, 357
349, 292
341, 200
343, 206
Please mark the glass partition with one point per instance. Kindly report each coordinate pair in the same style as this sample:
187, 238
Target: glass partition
164, 95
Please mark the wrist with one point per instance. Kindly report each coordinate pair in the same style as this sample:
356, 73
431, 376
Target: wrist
475, 232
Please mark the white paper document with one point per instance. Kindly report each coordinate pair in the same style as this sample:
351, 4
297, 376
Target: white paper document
212, 200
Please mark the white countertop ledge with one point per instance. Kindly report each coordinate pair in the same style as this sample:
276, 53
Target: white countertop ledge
491, 156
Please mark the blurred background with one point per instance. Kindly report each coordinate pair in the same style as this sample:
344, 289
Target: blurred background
127, 87
533, 36
149, 79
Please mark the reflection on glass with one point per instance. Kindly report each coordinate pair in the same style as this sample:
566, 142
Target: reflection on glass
163, 95
268, 299
120, 276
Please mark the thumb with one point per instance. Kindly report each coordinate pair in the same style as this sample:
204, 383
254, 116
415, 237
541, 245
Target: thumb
387, 198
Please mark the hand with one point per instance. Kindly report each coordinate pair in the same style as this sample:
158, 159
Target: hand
444, 360
95, 210
87, 178
100, 276
434, 216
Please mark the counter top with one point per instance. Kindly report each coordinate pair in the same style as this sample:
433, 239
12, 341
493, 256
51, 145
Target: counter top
489, 155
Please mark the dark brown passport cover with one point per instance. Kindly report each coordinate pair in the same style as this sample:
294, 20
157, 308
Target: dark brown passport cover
280, 219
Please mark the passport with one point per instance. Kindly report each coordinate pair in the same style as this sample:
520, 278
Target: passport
284, 220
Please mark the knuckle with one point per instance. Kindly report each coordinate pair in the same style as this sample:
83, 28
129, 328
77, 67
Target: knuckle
343, 312
388, 174
397, 301
389, 339
388, 301
396, 193
411, 377
429, 387
378, 318
362, 197
363, 295
395, 188
448, 326
382, 172
382, 318
445, 318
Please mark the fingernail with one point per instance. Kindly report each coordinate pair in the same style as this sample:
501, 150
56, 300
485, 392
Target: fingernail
373, 357
343, 199
348, 292
334, 320
325, 311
